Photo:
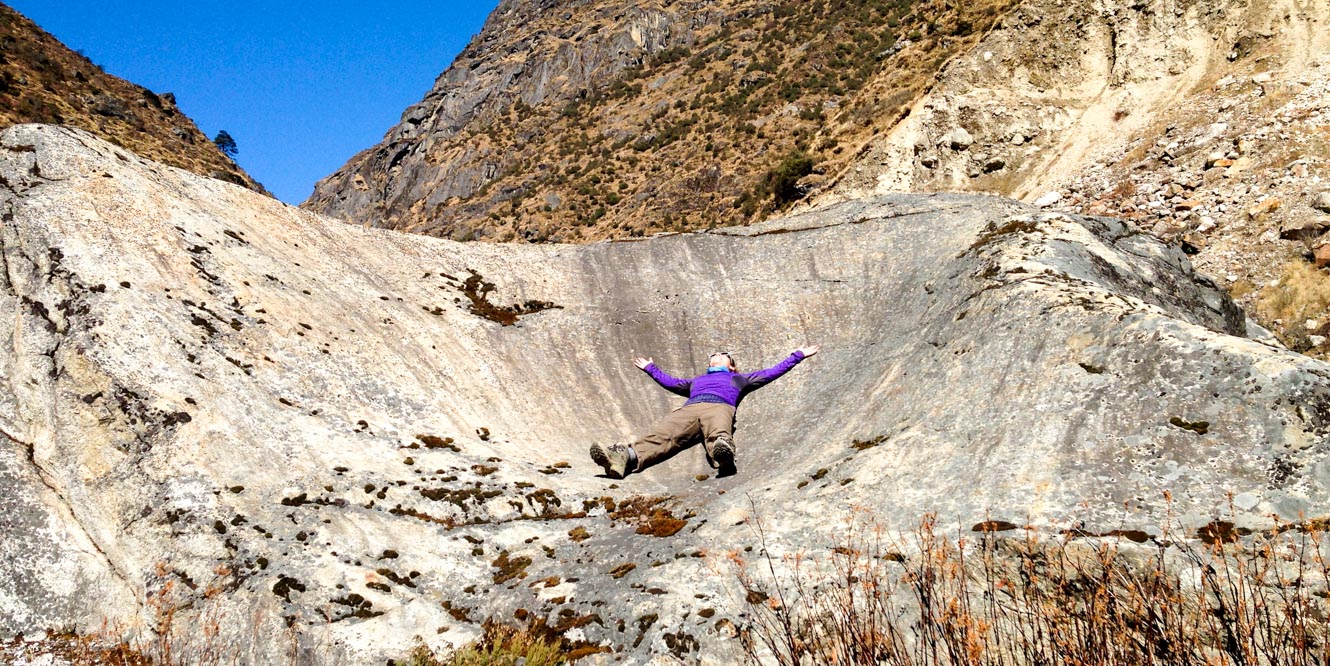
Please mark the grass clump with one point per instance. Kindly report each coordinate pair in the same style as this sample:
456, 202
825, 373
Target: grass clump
1302, 294
503, 645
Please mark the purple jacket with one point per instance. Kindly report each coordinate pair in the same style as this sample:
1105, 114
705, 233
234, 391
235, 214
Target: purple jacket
724, 387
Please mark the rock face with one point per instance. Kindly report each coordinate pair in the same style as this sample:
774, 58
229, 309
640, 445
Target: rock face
1060, 85
217, 405
581, 121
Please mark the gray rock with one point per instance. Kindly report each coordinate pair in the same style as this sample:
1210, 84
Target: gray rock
959, 139
1322, 202
1303, 230
109, 105
205, 389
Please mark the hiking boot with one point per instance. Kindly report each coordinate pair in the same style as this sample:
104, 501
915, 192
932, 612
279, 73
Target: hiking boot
614, 459
722, 455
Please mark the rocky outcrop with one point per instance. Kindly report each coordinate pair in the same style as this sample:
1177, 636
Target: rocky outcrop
574, 50
1060, 85
217, 406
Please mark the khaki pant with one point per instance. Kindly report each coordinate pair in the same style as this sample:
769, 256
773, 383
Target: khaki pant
679, 429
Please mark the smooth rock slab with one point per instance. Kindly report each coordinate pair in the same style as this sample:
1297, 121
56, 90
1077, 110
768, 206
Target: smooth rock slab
222, 405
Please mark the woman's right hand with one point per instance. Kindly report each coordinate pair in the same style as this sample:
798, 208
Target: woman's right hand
642, 363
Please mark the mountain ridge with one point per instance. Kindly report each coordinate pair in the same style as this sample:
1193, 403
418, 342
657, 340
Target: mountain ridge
44, 81
598, 120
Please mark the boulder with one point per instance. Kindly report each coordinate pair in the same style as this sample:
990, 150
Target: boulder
1048, 199
959, 139
1321, 255
112, 106
1304, 230
227, 408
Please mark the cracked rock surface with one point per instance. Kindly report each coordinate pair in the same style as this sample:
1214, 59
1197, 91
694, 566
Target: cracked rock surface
219, 404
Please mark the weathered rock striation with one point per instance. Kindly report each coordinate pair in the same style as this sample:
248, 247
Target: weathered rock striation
214, 404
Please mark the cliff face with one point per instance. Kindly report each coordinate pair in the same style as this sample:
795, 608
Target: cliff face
43, 81
1203, 122
585, 120
1060, 85
217, 408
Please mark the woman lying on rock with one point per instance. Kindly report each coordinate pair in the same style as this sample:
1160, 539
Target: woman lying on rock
713, 399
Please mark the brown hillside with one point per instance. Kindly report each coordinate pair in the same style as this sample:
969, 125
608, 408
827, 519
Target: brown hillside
43, 81
584, 121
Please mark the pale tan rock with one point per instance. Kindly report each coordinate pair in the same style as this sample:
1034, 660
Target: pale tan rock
221, 405
1264, 208
1321, 255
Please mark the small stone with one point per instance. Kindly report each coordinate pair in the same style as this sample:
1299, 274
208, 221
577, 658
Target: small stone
1264, 208
1316, 340
1207, 224
1322, 202
1193, 242
995, 164
1167, 228
1185, 205
1048, 199
1263, 77
1311, 324
1321, 256
1238, 166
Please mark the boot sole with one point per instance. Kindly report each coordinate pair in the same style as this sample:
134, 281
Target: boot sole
724, 459
602, 457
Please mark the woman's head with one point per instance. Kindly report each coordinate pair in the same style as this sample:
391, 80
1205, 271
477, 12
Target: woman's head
722, 360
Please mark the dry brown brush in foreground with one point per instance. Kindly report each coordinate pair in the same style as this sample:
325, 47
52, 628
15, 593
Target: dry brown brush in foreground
925, 598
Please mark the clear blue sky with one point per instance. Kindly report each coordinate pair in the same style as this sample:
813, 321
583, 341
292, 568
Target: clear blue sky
301, 85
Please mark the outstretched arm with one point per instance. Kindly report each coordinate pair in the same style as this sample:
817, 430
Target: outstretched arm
767, 375
666, 381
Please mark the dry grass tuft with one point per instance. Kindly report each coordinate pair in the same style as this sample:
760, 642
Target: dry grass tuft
503, 645
1303, 294
1024, 599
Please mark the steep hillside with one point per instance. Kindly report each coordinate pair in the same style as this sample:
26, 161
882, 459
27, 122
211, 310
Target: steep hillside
1203, 121
43, 81
584, 120
220, 411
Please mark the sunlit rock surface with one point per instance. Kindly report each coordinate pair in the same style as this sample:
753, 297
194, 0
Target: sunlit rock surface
222, 405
